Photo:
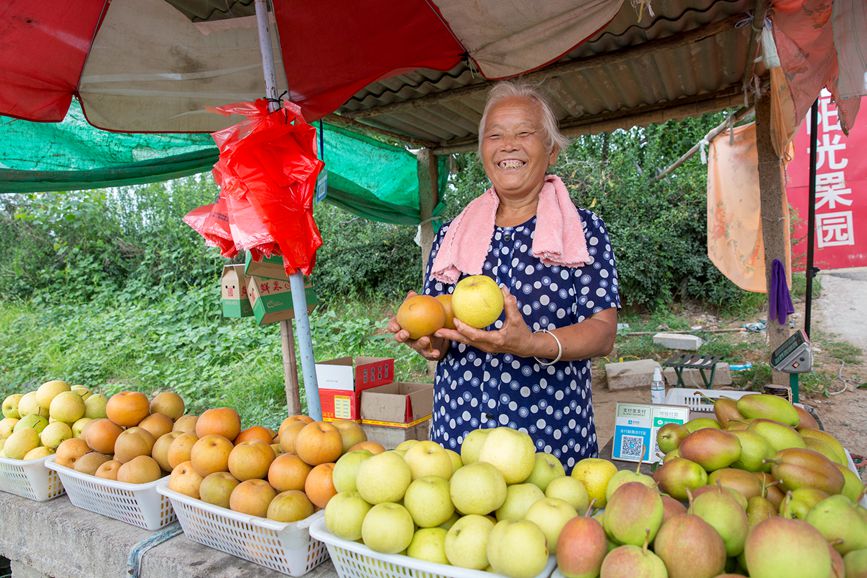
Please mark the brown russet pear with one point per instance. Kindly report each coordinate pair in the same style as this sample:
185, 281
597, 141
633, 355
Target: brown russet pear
677, 476
712, 449
745, 483
803, 468
690, 548
768, 406
807, 421
726, 409
781, 547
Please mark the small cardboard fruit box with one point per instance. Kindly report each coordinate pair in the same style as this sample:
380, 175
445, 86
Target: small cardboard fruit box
397, 412
268, 267
271, 299
233, 292
342, 380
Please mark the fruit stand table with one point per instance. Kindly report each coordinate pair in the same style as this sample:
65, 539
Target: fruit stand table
57, 539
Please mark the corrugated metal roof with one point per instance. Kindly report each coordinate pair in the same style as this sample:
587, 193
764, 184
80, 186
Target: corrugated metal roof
690, 57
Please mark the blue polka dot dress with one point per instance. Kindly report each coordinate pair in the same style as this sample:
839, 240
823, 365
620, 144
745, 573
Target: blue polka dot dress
474, 389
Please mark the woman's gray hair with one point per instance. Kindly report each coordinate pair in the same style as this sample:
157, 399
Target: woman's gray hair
509, 89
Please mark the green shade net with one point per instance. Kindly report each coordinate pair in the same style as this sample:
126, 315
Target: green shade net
369, 178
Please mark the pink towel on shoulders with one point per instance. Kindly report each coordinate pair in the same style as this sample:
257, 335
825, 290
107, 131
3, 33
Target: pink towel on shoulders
558, 239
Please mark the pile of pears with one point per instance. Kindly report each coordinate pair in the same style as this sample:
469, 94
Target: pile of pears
757, 492
775, 488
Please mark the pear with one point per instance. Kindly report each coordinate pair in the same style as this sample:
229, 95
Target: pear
626, 476
671, 455
759, 509
669, 436
829, 440
745, 483
726, 409
803, 468
856, 564
769, 407
777, 435
633, 515
581, 547
771, 489
838, 567
852, 486
690, 548
671, 508
719, 509
825, 449
632, 562
677, 476
694, 425
754, 451
806, 419
798, 503
838, 521
780, 547
710, 448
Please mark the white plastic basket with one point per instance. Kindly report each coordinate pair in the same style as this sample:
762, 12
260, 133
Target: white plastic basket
280, 546
355, 560
700, 399
29, 479
135, 504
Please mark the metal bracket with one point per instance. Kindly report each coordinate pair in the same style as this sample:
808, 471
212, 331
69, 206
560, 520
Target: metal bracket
134, 560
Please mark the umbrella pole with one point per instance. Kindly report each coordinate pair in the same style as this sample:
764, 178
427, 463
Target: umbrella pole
296, 280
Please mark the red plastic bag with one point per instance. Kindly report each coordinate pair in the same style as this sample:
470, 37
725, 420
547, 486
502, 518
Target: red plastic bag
212, 223
247, 229
269, 161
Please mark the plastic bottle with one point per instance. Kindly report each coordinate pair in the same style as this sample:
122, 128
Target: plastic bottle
657, 387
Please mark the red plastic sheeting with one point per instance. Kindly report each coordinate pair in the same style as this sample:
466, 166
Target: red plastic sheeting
43, 46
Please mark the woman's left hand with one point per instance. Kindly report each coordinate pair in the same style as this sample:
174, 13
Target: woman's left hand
513, 337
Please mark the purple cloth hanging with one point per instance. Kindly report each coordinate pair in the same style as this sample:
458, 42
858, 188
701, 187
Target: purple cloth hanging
779, 299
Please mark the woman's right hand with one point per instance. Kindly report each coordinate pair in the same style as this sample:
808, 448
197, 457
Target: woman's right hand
430, 347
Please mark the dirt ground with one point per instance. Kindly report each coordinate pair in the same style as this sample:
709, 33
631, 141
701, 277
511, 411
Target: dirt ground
840, 313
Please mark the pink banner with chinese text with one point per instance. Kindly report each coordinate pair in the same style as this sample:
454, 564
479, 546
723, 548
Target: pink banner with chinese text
841, 191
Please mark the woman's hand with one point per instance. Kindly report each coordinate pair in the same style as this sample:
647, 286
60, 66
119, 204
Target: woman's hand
513, 337
432, 348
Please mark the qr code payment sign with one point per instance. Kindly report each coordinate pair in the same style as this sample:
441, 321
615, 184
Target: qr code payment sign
632, 447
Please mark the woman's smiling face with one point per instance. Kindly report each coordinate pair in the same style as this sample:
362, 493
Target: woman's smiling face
515, 148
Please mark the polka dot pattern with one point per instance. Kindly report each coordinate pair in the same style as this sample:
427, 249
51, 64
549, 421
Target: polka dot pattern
474, 389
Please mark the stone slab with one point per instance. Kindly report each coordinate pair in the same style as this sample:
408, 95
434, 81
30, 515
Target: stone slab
57, 539
692, 377
630, 374
682, 341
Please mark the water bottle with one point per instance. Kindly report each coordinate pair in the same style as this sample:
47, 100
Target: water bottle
657, 387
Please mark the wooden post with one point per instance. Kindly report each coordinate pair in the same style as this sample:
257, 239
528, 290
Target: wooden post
290, 368
773, 206
427, 200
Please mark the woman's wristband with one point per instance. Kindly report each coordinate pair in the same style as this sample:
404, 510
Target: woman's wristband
559, 349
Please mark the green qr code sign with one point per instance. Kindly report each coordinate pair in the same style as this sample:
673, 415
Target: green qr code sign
661, 421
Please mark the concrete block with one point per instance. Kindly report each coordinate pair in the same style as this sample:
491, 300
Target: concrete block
630, 374
692, 377
21, 570
678, 341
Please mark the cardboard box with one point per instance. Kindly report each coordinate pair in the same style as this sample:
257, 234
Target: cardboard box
340, 404
391, 437
268, 267
271, 299
400, 405
358, 374
233, 289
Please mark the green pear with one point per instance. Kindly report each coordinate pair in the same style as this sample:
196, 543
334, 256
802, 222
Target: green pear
10, 405
633, 515
694, 425
633, 561
838, 521
769, 407
669, 436
719, 509
825, 449
852, 486
779, 436
829, 440
856, 564
626, 476
754, 451
671, 455
32, 421
20, 442
798, 503
759, 509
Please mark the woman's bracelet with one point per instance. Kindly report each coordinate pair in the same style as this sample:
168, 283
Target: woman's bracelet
559, 349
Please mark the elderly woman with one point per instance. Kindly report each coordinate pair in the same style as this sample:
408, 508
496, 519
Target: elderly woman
555, 265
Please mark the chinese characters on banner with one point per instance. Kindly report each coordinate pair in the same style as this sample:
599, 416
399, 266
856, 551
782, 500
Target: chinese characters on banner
841, 191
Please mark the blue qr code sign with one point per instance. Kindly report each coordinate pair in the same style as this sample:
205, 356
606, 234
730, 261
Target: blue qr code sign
632, 447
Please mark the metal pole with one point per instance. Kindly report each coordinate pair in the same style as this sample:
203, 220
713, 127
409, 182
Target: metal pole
811, 215
296, 280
